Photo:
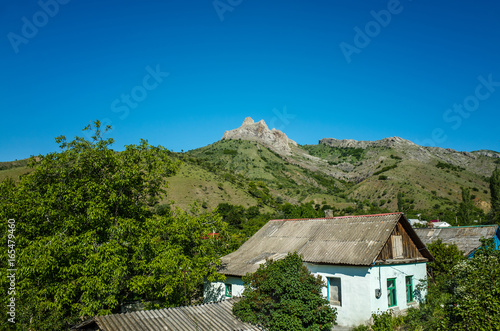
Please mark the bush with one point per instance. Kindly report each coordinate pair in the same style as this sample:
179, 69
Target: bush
283, 295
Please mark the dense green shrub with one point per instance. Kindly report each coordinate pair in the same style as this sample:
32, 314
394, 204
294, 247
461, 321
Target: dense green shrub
284, 295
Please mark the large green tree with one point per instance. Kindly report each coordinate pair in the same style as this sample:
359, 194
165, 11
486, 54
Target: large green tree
446, 256
467, 212
87, 241
283, 295
475, 290
495, 195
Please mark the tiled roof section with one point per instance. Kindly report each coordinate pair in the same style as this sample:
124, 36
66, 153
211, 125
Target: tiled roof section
216, 316
352, 240
465, 237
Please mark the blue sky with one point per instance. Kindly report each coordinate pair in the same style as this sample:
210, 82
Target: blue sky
180, 73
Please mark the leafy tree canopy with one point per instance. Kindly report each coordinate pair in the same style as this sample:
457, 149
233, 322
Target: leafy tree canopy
283, 295
88, 241
446, 256
495, 196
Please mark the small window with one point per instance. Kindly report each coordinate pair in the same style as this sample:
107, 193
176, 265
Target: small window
229, 290
397, 247
391, 292
409, 289
334, 291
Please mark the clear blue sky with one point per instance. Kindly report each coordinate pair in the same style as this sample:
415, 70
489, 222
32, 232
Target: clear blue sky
180, 73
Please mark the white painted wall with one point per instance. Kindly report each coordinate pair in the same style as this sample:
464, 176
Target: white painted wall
355, 307
399, 271
358, 288
215, 291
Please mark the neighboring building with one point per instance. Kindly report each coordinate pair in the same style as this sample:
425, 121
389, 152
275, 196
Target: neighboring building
467, 238
415, 221
370, 263
216, 316
438, 224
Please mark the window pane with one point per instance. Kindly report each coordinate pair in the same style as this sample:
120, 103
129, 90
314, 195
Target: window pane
228, 290
335, 291
391, 292
409, 288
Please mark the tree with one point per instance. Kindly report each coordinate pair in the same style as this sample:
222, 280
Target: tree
283, 295
467, 212
87, 238
446, 256
495, 195
475, 290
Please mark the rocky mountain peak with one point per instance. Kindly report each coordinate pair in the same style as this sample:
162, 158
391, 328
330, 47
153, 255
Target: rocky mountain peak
248, 121
259, 131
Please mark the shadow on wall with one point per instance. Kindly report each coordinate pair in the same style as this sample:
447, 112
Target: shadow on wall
212, 292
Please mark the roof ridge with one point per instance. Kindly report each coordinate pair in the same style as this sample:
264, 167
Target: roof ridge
329, 218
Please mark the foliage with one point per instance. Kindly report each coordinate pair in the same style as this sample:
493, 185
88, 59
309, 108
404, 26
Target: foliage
283, 295
339, 154
475, 288
384, 169
443, 165
446, 256
465, 298
404, 204
495, 195
88, 241
384, 321
467, 211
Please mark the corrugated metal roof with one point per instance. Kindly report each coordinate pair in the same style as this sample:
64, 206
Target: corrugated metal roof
465, 237
215, 316
349, 240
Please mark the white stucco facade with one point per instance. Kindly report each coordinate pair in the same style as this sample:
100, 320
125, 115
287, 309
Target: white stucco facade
356, 287
216, 291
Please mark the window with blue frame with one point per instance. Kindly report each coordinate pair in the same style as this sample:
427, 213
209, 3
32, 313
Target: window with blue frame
391, 292
334, 291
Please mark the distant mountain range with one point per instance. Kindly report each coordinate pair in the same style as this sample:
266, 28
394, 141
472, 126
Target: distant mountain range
341, 173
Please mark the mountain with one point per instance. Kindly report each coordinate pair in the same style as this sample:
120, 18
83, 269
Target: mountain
252, 163
348, 172
273, 139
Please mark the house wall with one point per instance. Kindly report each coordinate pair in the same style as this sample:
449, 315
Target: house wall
215, 291
358, 285
378, 279
410, 250
355, 307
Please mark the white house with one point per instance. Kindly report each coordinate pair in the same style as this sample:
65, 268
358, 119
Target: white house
370, 263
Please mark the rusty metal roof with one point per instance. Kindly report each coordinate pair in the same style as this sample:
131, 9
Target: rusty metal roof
465, 237
216, 316
348, 240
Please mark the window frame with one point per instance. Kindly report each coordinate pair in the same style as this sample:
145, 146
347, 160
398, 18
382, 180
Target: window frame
228, 294
410, 297
392, 293
339, 302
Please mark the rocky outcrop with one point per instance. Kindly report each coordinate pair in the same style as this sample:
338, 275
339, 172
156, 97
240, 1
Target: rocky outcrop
258, 131
392, 142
